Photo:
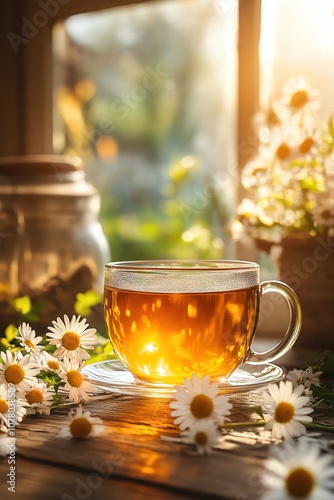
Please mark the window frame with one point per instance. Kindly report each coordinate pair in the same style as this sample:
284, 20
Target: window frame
26, 101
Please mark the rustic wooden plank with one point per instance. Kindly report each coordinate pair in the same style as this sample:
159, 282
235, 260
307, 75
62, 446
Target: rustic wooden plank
40, 481
218, 475
132, 449
132, 446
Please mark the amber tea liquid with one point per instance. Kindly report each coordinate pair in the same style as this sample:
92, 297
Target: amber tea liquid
164, 337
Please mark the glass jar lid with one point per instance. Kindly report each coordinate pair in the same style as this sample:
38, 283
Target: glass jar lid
41, 169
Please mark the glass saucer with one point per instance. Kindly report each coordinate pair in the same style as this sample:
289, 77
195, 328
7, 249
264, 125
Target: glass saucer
112, 376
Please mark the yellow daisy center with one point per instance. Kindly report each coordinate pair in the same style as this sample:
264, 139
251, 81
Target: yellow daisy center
306, 145
53, 365
201, 406
299, 99
272, 118
284, 412
28, 343
80, 427
201, 438
3, 406
14, 374
34, 396
283, 151
70, 341
300, 482
74, 378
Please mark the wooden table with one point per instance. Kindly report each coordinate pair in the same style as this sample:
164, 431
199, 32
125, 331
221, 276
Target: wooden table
130, 461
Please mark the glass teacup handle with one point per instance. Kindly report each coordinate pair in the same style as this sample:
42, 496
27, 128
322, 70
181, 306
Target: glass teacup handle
293, 329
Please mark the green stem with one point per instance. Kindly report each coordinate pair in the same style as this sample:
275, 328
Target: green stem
236, 425
320, 427
318, 403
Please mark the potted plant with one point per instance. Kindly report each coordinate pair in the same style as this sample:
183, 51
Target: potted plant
289, 204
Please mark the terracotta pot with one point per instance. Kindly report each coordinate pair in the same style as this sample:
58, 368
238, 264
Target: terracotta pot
307, 264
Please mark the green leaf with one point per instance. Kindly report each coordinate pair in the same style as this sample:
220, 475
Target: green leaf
49, 377
100, 357
319, 391
11, 332
85, 301
324, 393
329, 399
57, 400
259, 411
22, 304
5, 343
35, 311
323, 362
310, 184
331, 125
108, 349
330, 385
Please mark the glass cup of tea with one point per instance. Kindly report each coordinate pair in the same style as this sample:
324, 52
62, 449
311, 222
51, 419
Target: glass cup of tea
169, 319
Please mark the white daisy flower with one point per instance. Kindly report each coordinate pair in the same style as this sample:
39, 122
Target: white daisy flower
269, 211
28, 339
309, 141
82, 425
299, 95
4, 407
288, 411
72, 337
299, 470
75, 383
297, 378
39, 398
199, 400
281, 149
18, 369
203, 434
323, 210
255, 173
305, 377
266, 120
247, 209
15, 406
311, 378
49, 363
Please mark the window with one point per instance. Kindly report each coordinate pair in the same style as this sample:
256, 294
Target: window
146, 95
303, 48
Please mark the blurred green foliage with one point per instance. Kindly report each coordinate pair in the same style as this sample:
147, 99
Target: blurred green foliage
88, 305
183, 223
151, 149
